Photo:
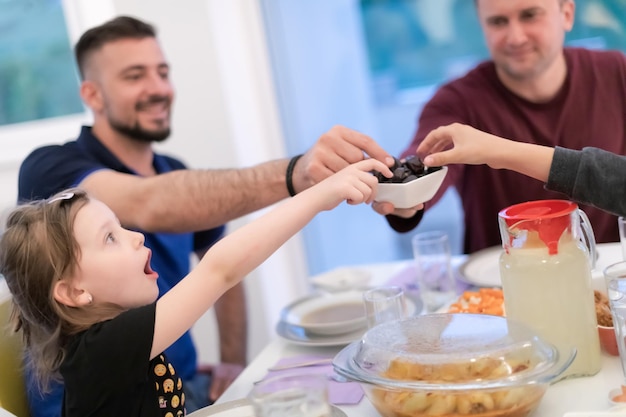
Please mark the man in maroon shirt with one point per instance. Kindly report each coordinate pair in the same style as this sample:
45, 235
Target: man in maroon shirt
533, 90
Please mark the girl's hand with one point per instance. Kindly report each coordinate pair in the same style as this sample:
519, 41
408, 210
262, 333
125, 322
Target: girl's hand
460, 144
474, 147
354, 184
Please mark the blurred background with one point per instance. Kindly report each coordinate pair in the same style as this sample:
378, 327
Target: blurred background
263, 79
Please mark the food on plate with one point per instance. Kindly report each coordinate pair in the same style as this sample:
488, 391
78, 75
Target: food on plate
513, 401
452, 365
411, 169
481, 368
606, 332
603, 311
483, 301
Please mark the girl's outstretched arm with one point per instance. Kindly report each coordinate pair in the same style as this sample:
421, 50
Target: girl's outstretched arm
237, 254
462, 144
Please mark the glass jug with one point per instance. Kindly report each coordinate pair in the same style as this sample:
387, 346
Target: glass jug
546, 277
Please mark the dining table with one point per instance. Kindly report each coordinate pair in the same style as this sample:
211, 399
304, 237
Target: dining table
581, 397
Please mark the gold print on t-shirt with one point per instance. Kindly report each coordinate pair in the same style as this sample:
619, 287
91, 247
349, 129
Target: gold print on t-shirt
168, 385
160, 369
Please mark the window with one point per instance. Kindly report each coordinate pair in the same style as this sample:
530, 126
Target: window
38, 79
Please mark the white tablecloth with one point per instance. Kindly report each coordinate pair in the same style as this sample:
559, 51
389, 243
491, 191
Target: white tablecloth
582, 394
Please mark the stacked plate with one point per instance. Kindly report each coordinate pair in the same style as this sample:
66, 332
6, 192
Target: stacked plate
324, 320
330, 319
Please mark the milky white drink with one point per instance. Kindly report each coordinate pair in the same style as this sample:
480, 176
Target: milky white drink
553, 295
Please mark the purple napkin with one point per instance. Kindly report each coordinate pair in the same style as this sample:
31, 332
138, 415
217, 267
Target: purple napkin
339, 393
406, 279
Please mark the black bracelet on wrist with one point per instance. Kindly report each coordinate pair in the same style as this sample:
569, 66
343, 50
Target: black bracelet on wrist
289, 175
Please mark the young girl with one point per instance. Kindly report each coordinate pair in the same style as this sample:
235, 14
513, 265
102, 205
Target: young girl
84, 292
591, 176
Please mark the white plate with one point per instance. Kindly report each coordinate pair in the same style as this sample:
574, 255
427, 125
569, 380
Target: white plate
241, 408
329, 314
482, 269
237, 408
300, 336
608, 254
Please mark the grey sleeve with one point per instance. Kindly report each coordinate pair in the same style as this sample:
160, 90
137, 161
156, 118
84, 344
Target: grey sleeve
590, 176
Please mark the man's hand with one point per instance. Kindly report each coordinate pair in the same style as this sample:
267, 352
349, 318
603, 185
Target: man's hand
223, 375
386, 208
333, 151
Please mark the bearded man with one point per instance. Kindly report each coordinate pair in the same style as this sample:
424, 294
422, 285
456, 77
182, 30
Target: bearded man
534, 90
126, 84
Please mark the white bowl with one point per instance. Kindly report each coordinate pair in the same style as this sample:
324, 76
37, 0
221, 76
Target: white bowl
410, 194
328, 314
342, 279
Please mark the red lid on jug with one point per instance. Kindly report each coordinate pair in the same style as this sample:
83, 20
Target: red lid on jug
549, 218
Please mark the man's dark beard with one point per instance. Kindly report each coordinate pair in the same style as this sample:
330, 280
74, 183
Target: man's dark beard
136, 132
139, 134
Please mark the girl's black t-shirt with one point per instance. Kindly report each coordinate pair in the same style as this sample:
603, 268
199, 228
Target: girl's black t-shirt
108, 371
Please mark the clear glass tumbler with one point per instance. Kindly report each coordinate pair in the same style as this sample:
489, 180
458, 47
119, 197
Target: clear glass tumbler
435, 280
621, 225
615, 276
384, 304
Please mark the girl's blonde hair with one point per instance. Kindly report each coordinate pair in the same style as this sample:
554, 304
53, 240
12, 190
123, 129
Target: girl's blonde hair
37, 249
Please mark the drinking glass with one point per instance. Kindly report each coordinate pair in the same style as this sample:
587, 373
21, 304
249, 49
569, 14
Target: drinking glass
615, 276
434, 271
621, 225
289, 395
384, 304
